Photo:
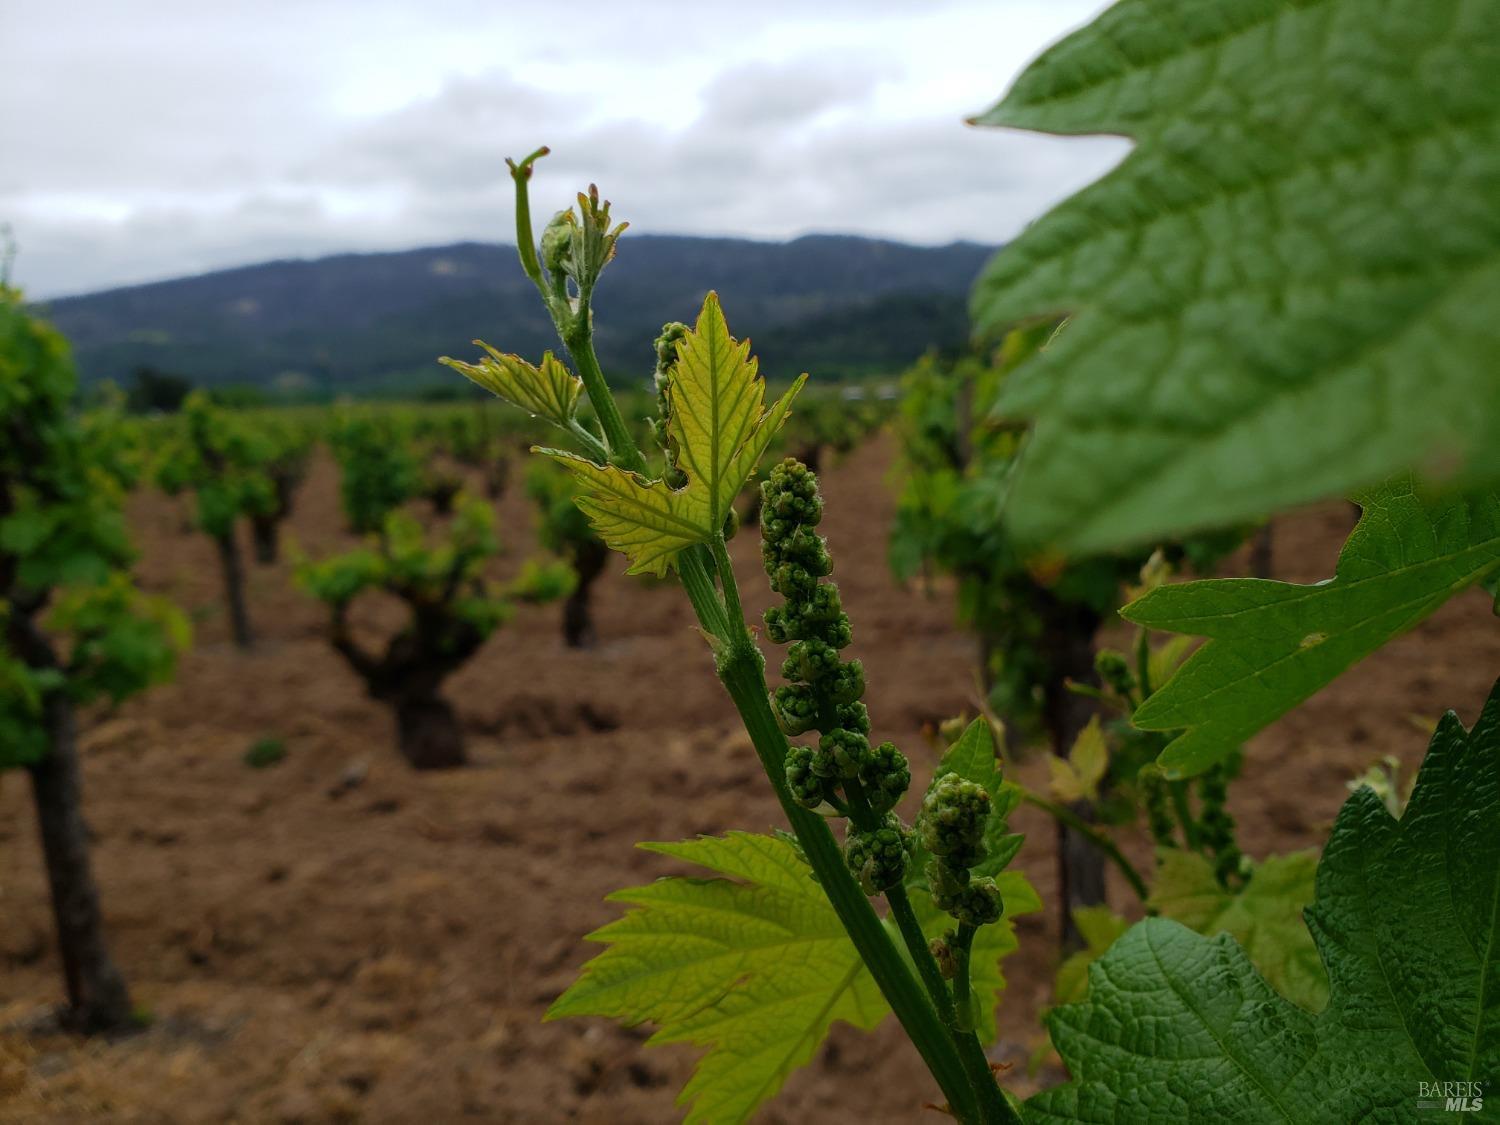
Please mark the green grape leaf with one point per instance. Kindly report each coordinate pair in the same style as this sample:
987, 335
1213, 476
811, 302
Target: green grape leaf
1100, 928
1180, 1027
756, 971
721, 427
1287, 289
1077, 777
550, 391
756, 967
23, 733
1167, 657
1264, 916
1274, 644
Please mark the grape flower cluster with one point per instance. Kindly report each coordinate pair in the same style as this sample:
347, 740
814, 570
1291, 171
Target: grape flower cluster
842, 774
955, 814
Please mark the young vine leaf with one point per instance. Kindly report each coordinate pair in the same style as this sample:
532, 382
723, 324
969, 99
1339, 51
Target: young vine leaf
756, 967
1288, 288
1077, 777
1180, 1027
1100, 928
1274, 644
550, 391
1264, 916
720, 427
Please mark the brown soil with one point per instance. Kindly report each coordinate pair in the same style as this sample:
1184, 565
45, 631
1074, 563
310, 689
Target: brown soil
337, 938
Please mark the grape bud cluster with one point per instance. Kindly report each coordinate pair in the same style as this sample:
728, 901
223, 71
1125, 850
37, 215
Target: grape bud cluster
842, 772
955, 814
666, 359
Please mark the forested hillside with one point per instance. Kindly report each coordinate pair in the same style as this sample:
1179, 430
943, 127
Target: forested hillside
836, 306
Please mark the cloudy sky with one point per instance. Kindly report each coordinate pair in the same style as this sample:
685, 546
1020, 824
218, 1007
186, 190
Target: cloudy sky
145, 139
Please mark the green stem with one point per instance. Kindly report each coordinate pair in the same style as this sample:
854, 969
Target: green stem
1143, 663
727, 583
1184, 811
953, 1010
525, 240
864, 818
1092, 834
741, 669
695, 569
579, 339
592, 446
963, 945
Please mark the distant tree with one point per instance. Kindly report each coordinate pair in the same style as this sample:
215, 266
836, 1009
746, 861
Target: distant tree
153, 390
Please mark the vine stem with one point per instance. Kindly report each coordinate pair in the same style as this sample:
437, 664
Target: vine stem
965, 1041
741, 669
963, 945
1093, 836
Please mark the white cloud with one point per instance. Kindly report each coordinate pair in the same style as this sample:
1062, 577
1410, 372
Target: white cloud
164, 137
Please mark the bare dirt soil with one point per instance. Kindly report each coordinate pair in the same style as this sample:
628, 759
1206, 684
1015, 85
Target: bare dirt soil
338, 939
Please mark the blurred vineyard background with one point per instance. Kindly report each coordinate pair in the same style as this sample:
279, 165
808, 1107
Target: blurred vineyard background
347, 854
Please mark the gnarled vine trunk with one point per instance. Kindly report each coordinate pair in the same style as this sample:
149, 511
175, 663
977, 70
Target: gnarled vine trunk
428, 734
589, 560
98, 1000
497, 477
408, 676
1068, 647
266, 532
234, 589
265, 528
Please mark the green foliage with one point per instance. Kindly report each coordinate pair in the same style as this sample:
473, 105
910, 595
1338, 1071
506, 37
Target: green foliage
119, 641
549, 391
1100, 928
1181, 1027
956, 464
117, 443
756, 970
266, 752
1273, 644
561, 524
721, 427
23, 736
755, 967
1288, 285
1264, 915
442, 573
71, 621
378, 470
220, 457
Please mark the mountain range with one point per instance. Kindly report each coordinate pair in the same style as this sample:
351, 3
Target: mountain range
836, 306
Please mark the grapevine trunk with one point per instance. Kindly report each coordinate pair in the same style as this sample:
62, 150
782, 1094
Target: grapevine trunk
1068, 648
234, 589
266, 531
98, 1000
428, 733
578, 623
